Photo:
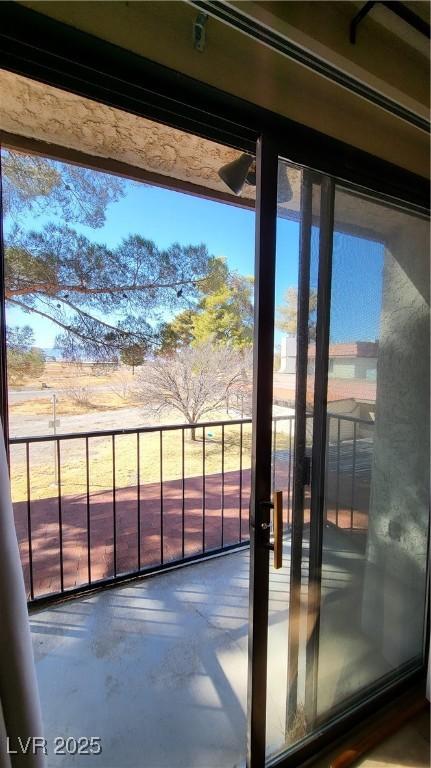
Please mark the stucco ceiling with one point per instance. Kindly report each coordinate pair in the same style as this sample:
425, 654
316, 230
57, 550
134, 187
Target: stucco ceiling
58, 120
63, 119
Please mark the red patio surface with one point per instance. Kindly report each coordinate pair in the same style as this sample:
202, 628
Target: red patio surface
46, 540
224, 525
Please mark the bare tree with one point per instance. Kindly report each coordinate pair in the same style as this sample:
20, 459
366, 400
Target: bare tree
193, 381
121, 385
80, 395
239, 394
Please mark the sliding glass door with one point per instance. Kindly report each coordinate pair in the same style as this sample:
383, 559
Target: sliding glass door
340, 494
374, 533
104, 491
293, 245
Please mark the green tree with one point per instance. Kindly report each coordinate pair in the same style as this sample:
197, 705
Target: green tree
35, 184
223, 315
178, 333
101, 299
287, 313
133, 355
226, 315
61, 275
24, 360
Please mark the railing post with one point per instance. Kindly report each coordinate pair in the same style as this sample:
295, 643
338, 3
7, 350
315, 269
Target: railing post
222, 485
353, 476
337, 492
138, 495
114, 504
240, 482
29, 531
161, 498
203, 489
87, 475
182, 493
60, 516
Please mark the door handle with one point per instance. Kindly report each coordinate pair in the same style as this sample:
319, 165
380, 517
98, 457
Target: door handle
276, 545
278, 529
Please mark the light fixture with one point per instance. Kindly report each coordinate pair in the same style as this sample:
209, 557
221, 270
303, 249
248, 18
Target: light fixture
239, 172
243, 171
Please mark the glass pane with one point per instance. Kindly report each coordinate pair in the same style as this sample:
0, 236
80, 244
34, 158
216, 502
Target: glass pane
286, 689
129, 284
375, 526
119, 260
377, 463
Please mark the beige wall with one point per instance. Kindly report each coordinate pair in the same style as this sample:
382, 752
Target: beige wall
388, 54
162, 31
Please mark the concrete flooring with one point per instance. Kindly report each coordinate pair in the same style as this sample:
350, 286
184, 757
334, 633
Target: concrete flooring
158, 668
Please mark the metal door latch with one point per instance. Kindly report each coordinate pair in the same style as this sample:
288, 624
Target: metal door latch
277, 545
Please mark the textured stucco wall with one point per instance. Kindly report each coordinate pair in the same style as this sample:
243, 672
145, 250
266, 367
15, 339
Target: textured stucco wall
38, 111
394, 587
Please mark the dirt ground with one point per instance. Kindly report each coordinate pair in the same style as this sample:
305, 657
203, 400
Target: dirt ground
84, 399
78, 389
61, 374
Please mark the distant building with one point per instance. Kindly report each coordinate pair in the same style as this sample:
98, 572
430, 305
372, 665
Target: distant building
351, 360
352, 375
288, 354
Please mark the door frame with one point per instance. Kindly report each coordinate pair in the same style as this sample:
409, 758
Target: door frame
318, 461
267, 163
263, 360
300, 469
36, 46
383, 690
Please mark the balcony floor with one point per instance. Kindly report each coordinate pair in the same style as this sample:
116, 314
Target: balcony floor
158, 668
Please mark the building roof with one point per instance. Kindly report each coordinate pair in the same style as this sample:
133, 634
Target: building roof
350, 349
361, 390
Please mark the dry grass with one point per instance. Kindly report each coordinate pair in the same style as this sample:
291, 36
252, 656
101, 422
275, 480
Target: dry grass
62, 375
73, 469
73, 474
66, 406
103, 391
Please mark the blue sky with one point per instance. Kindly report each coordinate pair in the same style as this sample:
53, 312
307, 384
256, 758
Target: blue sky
166, 217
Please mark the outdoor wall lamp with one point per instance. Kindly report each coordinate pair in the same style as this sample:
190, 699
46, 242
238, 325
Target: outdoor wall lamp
243, 171
239, 172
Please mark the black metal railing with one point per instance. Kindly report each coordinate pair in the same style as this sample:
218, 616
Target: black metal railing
88, 533
348, 471
72, 538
